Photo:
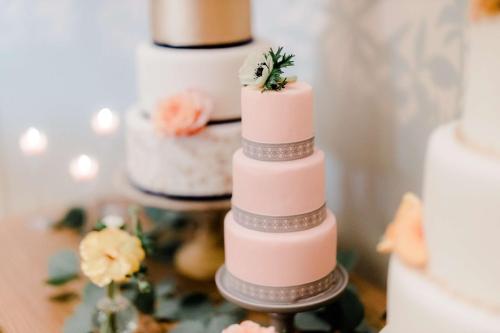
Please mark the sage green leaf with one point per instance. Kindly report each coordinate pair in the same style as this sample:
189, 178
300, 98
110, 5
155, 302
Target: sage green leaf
81, 319
165, 288
75, 219
63, 267
346, 313
196, 306
218, 323
348, 259
189, 326
311, 322
237, 313
92, 294
167, 309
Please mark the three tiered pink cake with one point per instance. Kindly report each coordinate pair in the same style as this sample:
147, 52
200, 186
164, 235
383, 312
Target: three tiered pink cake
280, 238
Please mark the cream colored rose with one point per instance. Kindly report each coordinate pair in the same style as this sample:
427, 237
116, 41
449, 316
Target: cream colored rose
248, 327
110, 255
256, 69
183, 114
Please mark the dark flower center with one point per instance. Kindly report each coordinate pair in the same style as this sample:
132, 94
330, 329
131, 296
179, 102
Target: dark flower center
259, 70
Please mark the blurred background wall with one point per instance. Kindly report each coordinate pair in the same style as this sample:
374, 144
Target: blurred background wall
385, 73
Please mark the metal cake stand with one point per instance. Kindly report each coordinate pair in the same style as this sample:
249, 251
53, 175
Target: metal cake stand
282, 315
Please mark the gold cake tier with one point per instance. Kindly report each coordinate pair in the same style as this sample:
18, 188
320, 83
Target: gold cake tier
198, 23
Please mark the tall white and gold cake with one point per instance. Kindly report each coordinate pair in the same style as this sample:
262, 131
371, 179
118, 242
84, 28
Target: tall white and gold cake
445, 274
186, 125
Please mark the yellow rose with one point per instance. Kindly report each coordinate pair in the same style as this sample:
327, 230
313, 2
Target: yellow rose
110, 255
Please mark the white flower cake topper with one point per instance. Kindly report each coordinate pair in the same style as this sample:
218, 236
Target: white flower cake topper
264, 70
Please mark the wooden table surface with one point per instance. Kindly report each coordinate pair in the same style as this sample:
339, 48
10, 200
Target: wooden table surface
24, 297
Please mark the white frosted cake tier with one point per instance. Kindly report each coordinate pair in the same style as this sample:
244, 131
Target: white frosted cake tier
284, 116
280, 259
279, 188
164, 71
417, 304
462, 216
198, 165
481, 120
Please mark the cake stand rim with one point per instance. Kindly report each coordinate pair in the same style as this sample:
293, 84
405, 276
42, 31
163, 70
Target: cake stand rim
303, 305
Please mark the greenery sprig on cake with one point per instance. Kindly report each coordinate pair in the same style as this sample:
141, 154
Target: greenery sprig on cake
264, 71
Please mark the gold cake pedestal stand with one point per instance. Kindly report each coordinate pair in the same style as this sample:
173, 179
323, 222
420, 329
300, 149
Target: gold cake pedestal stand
282, 315
200, 257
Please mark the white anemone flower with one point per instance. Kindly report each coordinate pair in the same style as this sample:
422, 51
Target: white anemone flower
256, 69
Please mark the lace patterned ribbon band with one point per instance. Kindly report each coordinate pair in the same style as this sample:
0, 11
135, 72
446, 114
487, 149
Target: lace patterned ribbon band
278, 295
279, 223
278, 151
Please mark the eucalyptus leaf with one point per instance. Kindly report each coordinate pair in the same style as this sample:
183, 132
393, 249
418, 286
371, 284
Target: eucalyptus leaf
346, 313
62, 268
81, 319
230, 309
218, 323
92, 294
189, 326
195, 306
167, 309
310, 321
165, 288
75, 219
348, 259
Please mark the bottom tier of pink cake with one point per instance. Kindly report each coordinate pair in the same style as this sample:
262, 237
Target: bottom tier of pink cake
280, 259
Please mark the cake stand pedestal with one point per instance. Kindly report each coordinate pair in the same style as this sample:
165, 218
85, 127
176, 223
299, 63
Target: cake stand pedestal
282, 315
199, 258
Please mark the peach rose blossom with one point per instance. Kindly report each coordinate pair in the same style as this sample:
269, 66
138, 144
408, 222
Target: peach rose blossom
484, 8
248, 327
183, 114
405, 235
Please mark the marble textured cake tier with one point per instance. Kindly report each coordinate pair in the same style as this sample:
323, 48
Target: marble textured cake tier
198, 165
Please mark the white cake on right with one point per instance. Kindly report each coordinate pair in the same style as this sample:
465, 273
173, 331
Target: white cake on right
453, 285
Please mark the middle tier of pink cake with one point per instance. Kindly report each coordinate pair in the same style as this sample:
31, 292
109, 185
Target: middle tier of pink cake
280, 259
279, 188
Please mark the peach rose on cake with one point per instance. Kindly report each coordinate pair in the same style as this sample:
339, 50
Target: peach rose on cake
183, 114
248, 327
405, 235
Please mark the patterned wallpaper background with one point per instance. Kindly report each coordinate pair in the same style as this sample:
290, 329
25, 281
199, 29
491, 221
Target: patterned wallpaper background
385, 73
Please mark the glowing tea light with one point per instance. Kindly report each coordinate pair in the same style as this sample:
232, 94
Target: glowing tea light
33, 142
105, 122
83, 168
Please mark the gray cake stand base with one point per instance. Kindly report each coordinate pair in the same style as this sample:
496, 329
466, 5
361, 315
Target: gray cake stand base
282, 315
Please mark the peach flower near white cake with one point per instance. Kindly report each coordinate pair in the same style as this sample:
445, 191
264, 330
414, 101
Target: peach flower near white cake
248, 327
183, 114
405, 235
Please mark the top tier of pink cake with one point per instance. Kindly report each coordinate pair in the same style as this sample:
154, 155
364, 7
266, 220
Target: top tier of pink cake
284, 116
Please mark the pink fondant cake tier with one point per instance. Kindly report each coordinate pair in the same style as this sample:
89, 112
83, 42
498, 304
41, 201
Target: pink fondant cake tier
284, 116
280, 259
279, 188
